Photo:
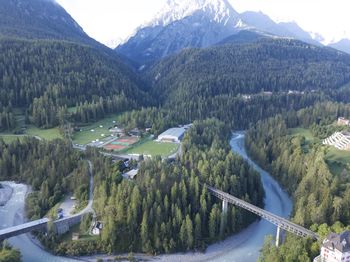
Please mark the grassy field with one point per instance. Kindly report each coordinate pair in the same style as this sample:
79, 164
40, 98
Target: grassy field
154, 148
309, 138
46, 134
302, 132
337, 160
86, 135
10, 138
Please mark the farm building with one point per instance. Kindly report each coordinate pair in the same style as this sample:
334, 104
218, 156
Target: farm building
172, 135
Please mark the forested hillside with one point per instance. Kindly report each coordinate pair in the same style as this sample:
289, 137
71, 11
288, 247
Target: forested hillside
49, 76
207, 82
319, 195
39, 19
266, 65
48, 64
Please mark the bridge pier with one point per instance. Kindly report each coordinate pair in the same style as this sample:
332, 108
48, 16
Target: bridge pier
223, 217
278, 236
224, 206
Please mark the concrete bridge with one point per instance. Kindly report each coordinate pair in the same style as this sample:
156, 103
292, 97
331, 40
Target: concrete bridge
280, 222
59, 226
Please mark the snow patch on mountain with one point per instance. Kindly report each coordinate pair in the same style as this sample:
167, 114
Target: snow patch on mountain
220, 11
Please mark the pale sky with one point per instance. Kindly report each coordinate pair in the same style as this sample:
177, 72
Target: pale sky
109, 20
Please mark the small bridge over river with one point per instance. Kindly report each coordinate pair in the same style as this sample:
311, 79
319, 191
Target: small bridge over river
280, 222
59, 226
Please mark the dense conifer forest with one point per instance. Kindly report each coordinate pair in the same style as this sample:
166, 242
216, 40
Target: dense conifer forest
319, 195
52, 169
266, 65
46, 77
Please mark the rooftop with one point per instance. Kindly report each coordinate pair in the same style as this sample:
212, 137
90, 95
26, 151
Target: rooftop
131, 174
176, 132
340, 242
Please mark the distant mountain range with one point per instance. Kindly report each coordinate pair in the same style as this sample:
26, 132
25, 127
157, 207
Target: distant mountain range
201, 23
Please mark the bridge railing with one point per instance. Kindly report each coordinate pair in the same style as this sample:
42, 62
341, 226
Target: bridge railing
272, 218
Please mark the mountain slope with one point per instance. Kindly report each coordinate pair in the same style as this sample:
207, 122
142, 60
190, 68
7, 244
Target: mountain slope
182, 24
244, 37
270, 65
343, 45
48, 63
46, 76
264, 23
229, 81
197, 24
39, 19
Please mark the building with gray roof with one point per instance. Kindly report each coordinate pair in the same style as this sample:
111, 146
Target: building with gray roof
172, 135
336, 247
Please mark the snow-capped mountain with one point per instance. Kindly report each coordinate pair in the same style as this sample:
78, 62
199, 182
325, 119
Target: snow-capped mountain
219, 11
202, 23
182, 24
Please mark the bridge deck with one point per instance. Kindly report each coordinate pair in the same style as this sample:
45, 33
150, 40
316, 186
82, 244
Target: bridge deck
23, 228
272, 218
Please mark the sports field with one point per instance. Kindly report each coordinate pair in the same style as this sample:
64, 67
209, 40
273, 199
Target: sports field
154, 148
94, 131
121, 143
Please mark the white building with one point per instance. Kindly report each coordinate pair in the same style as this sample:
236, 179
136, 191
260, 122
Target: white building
335, 248
174, 135
97, 228
342, 121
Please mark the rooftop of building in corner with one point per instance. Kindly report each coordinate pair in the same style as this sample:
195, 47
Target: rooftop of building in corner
340, 242
176, 131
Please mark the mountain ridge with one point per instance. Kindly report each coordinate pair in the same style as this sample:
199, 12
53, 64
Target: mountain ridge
196, 24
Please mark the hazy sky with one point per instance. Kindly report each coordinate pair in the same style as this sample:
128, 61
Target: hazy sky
107, 20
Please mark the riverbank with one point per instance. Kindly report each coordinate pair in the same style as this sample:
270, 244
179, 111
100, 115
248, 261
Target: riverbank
5, 194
